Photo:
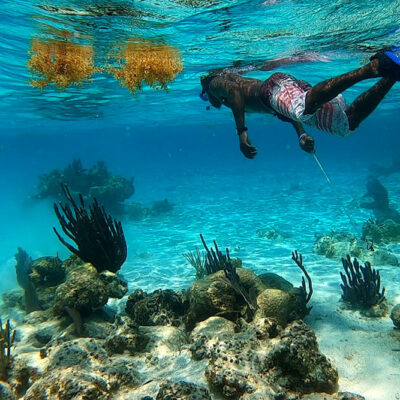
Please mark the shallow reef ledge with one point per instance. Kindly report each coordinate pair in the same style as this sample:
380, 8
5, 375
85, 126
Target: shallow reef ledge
195, 344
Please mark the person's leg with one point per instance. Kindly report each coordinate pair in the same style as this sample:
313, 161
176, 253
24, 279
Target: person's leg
329, 89
364, 104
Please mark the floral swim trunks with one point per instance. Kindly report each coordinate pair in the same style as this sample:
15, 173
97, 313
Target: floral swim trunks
286, 95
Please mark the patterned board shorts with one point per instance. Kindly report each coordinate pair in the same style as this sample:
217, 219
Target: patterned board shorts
286, 95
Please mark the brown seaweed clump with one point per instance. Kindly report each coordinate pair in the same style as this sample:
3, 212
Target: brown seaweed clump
60, 62
145, 61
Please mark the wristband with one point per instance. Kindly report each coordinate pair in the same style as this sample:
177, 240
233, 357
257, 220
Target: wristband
244, 129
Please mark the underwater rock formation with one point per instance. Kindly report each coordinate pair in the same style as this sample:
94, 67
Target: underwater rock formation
395, 316
99, 238
336, 244
381, 232
214, 295
85, 290
40, 278
47, 271
23, 269
136, 211
182, 391
160, 207
242, 364
272, 233
162, 307
110, 190
184, 345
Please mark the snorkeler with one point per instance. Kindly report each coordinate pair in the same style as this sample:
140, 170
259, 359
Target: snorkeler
291, 100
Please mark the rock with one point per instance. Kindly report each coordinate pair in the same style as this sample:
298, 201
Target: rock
83, 291
336, 396
379, 310
248, 365
213, 295
136, 211
168, 338
298, 352
116, 287
182, 391
380, 257
395, 316
6, 392
47, 271
387, 231
160, 207
274, 303
272, 234
338, 244
162, 307
71, 384
274, 281
13, 298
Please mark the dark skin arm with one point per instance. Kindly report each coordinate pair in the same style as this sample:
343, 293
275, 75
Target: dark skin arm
236, 103
306, 141
238, 95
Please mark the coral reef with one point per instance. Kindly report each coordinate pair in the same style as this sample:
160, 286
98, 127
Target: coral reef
272, 233
252, 362
39, 279
95, 182
215, 295
85, 290
193, 344
136, 211
182, 391
361, 285
47, 271
23, 269
395, 316
160, 207
162, 307
336, 244
7, 336
99, 238
143, 61
381, 232
61, 62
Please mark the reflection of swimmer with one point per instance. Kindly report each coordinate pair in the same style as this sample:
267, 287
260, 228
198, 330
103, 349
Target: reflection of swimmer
295, 101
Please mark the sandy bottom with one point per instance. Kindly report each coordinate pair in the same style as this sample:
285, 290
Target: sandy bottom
231, 208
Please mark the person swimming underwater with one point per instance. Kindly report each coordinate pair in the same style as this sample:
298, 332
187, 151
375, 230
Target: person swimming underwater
295, 101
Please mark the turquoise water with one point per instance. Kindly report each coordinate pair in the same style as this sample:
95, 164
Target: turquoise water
176, 149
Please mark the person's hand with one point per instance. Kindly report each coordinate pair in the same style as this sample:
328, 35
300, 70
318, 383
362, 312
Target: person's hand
246, 148
307, 143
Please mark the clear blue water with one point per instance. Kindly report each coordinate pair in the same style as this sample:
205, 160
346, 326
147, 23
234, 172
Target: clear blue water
176, 149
